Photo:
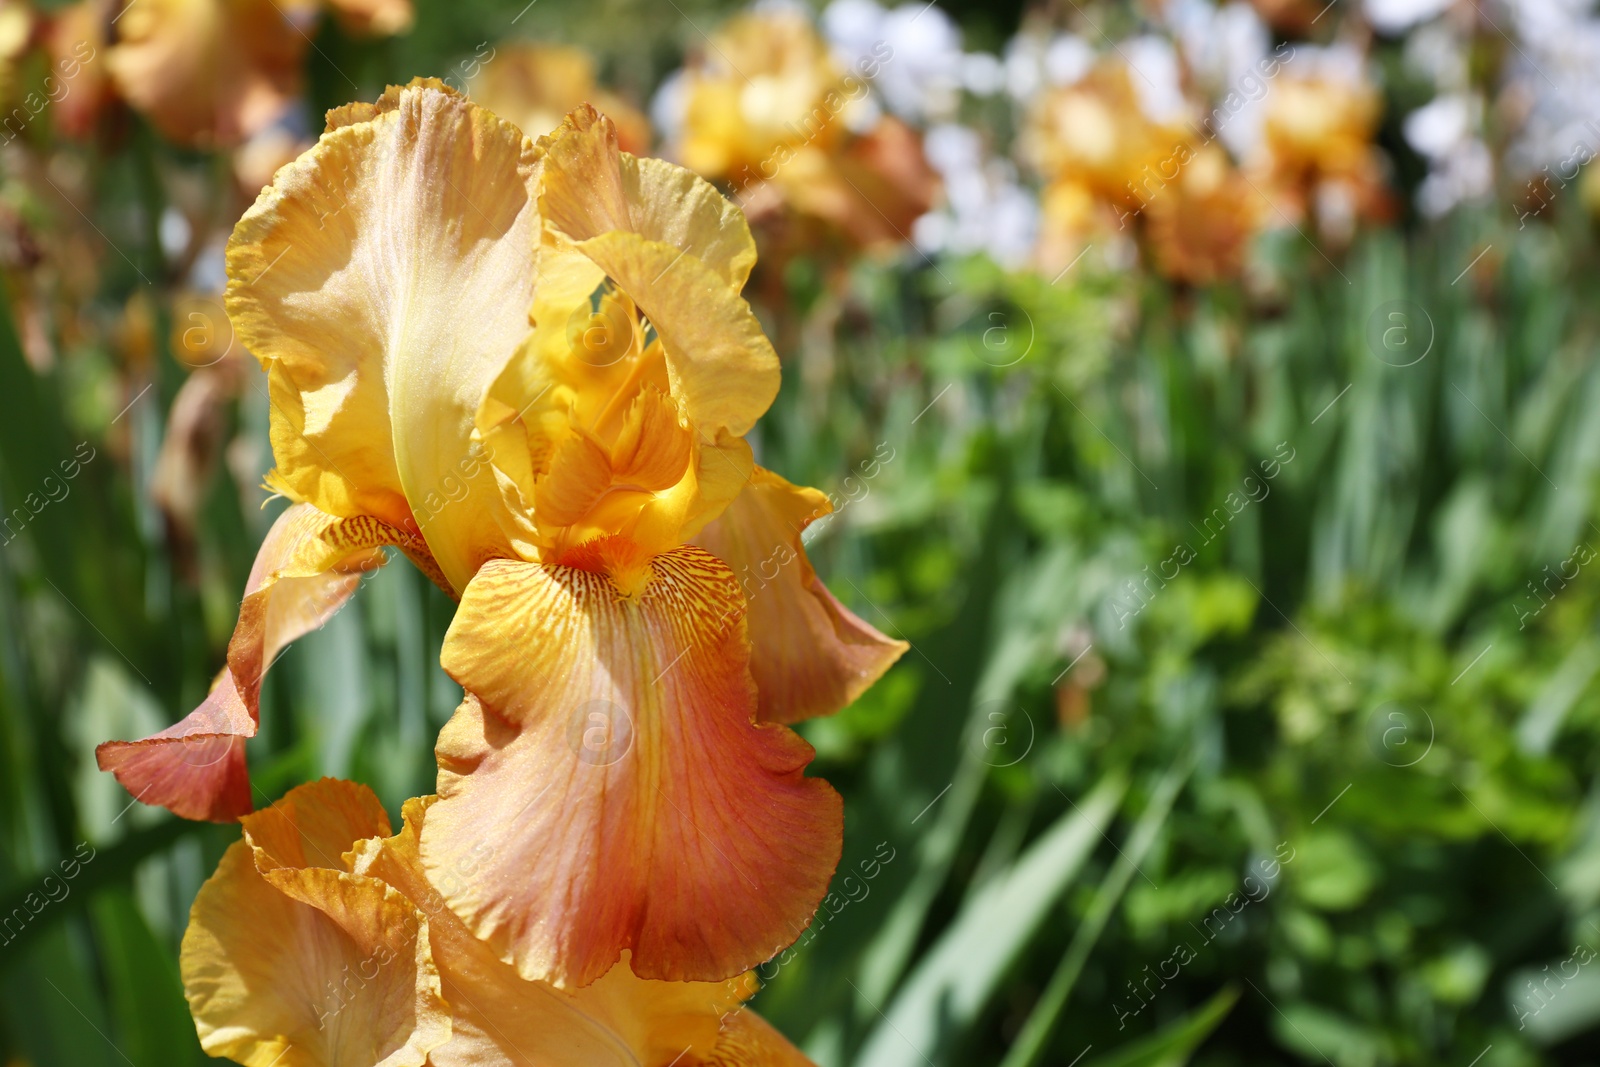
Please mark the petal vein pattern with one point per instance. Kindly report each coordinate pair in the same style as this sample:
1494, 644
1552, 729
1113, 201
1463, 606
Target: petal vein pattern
810, 654
610, 742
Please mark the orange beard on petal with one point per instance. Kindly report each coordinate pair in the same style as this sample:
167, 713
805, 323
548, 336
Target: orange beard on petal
619, 558
607, 785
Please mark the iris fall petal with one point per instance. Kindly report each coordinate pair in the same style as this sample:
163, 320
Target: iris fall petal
810, 655
610, 740
308, 566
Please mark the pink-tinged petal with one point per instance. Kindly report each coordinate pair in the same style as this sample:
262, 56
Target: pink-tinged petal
195, 768
608, 758
307, 567
810, 655
501, 1019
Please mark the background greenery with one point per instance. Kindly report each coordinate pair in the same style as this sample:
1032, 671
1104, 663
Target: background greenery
1062, 784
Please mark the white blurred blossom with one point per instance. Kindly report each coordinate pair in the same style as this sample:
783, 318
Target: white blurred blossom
985, 208
1221, 45
667, 107
1448, 131
1555, 71
1156, 78
1445, 132
174, 231
1440, 52
781, 7
923, 77
1394, 17
1033, 62
982, 74
1227, 49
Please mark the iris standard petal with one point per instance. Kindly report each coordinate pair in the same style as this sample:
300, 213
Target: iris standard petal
682, 252
384, 279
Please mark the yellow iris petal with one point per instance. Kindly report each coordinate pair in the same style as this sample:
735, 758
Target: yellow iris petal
290, 959
384, 279
595, 428
681, 252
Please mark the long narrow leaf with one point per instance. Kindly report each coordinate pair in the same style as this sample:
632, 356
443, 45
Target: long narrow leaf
1030, 1044
958, 977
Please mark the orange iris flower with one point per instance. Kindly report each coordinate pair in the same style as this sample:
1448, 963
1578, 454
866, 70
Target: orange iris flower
1101, 157
768, 111
1200, 225
534, 86
584, 489
218, 71
1317, 156
321, 942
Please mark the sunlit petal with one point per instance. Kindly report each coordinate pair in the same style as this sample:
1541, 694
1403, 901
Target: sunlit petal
608, 741
681, 252
385, 279
292, 961
502, 1018
810, 655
